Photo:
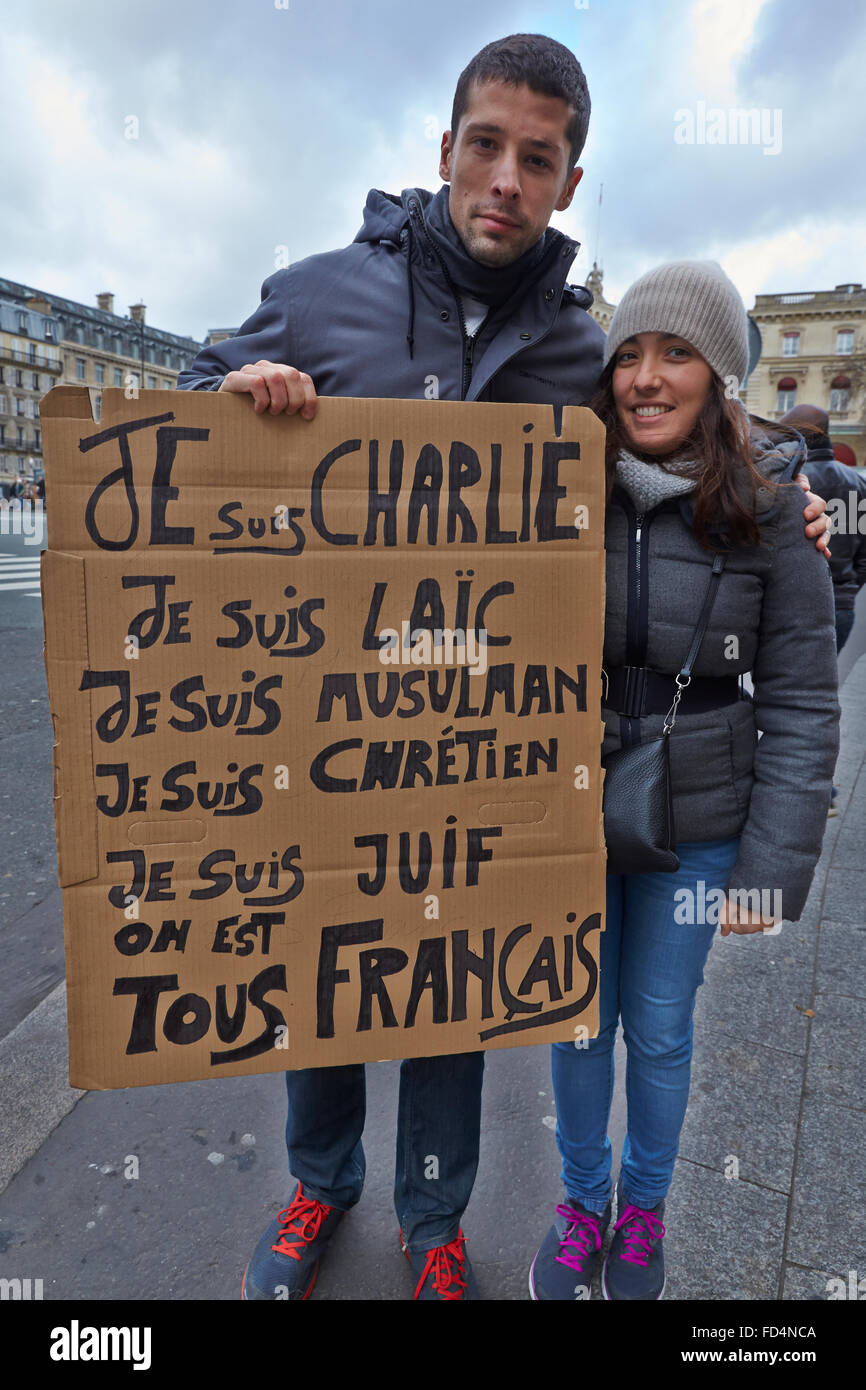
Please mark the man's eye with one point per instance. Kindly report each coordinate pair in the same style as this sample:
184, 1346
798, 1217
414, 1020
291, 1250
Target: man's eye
538, 160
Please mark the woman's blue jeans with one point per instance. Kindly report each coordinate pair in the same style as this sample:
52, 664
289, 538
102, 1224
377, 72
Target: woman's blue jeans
651, 966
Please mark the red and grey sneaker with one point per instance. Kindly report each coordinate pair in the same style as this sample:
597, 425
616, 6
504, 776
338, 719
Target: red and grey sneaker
285, 1263
443, 1273
635, 1264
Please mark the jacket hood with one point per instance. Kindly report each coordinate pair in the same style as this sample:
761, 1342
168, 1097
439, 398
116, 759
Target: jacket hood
780, 460
388, 220
385, 217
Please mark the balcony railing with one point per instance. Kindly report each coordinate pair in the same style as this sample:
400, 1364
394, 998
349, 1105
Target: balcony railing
37, 359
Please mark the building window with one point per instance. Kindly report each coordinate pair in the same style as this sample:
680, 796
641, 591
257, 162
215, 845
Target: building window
35, 381
20, 435
99, 368
840, 391
100, 339
844, 340
791, 344
49, 332
19, 378
166, 385
2, 433
786, 394
19, 405
118, 376
22, 323
80, 369
151, 383
38, 434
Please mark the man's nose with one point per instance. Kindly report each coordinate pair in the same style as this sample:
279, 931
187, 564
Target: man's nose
506, 176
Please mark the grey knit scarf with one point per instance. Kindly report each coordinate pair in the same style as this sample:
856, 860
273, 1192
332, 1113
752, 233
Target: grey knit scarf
647, 484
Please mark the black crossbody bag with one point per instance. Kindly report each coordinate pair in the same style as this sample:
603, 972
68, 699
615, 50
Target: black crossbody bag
637, 802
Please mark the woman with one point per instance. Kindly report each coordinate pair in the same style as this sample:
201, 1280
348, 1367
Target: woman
690, 475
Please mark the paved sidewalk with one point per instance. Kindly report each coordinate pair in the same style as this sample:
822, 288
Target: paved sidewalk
768, 1199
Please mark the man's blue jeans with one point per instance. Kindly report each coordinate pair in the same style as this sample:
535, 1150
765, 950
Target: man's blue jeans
438, 1134
651, 966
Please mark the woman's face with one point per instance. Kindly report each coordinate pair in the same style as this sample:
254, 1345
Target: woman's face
660, 383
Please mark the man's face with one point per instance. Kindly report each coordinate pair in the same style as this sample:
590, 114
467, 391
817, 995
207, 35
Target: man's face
508, 170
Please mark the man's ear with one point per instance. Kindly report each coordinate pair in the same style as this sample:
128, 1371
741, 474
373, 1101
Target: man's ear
574, 179
445, 157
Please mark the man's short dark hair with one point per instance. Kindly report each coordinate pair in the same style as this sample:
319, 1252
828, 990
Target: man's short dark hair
541, 64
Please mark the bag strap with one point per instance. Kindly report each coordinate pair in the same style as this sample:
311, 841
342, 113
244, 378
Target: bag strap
683, 680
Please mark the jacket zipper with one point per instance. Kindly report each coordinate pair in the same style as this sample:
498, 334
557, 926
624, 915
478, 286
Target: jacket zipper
636, 649
467, 364
639, 520
467, 341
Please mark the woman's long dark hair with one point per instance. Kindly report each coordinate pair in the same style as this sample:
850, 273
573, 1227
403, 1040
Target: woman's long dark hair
727, 479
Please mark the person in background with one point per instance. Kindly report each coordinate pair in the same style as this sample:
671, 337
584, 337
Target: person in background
845, 492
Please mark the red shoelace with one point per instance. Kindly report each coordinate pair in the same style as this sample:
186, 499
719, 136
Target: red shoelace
301, 1220
447, 1265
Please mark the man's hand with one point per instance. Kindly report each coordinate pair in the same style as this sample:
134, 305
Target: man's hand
734, 918
815, 512
275, 388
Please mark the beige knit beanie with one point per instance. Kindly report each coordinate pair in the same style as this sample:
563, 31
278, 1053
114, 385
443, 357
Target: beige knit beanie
695, 300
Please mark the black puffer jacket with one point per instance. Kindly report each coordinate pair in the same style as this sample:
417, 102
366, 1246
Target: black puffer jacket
773, 617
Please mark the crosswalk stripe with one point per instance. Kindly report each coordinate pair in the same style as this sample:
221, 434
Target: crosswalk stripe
24, 584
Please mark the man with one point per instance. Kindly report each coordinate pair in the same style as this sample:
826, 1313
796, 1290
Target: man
459, 295
840, 486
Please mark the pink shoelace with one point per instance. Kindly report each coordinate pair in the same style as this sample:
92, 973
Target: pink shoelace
644, 1226
581, 1233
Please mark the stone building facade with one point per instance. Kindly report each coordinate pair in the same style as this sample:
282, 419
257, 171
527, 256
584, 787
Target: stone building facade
814, 353
47, 340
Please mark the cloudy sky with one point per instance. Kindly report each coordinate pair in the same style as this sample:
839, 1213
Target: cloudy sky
261, 124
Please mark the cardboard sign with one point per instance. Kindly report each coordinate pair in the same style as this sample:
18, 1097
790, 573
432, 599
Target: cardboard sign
326, 701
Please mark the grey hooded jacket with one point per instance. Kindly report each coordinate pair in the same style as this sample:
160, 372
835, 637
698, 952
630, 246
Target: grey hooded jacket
773, 616
381, 318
